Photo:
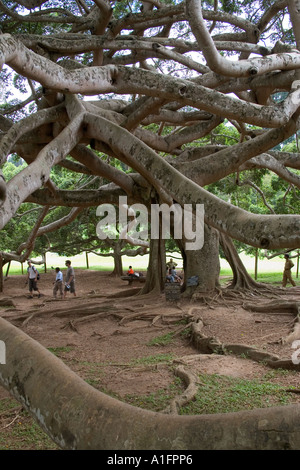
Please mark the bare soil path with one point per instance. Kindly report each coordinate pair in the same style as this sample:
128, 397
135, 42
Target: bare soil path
123, 344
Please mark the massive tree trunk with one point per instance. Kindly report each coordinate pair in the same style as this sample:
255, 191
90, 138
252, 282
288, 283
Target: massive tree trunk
156, 272
118, 265
202, 264
117, 257
77, 416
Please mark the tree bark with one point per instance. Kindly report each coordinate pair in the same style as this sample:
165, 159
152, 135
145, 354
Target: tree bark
156, 272
117, 257
241, 278
77, 416
203, 263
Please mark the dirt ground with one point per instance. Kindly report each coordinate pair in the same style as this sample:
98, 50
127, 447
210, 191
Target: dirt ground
113, 350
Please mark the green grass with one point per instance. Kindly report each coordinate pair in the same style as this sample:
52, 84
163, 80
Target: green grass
264, 277
141, 262
162, 340
270, 278
156, 401
59, 349
152, 360
19, 431
222, 394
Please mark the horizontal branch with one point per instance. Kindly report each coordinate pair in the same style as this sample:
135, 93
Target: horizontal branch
264, 231
105, 79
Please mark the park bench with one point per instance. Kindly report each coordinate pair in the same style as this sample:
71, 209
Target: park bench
132, 279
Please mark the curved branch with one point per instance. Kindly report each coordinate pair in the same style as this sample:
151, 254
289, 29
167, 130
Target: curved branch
98, 167
60, 223
28, 124
294, 11
264, 231
213, 167
108, 194
121, 79
37, 173
256, 188
271, 163
30, 242
2, 188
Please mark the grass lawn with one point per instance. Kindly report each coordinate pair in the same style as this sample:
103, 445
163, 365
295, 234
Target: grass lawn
268, 271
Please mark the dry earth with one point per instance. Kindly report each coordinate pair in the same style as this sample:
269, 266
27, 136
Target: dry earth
109, 350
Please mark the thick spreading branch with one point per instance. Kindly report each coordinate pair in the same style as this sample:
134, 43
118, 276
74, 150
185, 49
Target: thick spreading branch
257, 230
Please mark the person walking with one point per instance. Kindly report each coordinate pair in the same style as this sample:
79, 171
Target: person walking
32, 277
287, 275
58, 283
70, 279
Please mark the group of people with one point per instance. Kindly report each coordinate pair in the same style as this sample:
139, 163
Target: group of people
171, 275
59, 286
69, 286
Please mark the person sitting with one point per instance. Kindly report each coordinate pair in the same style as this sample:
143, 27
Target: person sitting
172, 276
169, 276
175, 275
131, 272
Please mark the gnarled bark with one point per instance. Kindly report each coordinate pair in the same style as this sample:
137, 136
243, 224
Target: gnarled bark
241, 278
202, 264
77, 416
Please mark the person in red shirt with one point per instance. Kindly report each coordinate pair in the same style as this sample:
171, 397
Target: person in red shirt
131, 272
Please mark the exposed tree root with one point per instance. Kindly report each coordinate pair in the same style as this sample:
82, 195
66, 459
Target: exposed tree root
77, 310
92, 317
7, 302
189, 394
280, 306
209, 345
224, 296
91, 420
127, 293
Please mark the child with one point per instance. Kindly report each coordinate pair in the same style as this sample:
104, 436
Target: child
58, 283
